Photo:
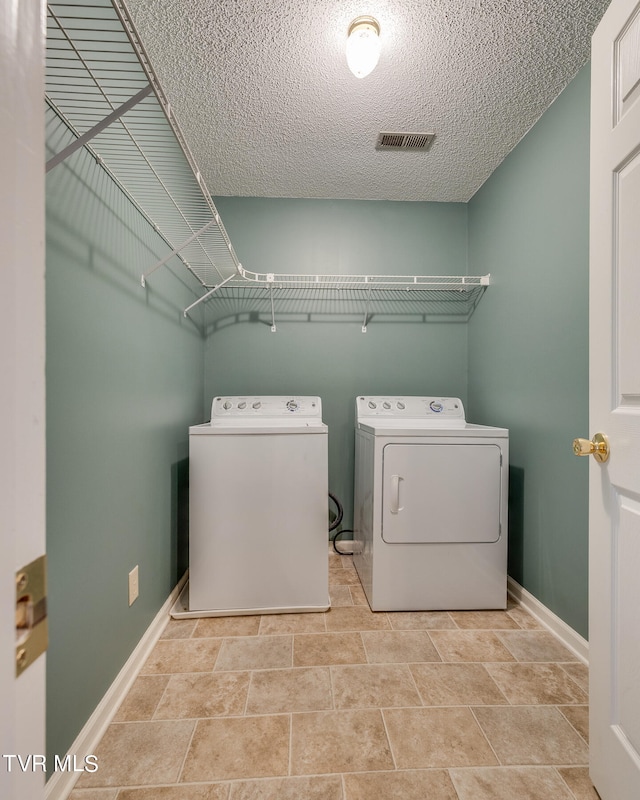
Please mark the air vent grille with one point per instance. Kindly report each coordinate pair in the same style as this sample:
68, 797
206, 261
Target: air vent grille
404, 141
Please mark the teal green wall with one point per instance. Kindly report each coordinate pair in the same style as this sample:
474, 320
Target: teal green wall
528, 345
124, 381
330, 356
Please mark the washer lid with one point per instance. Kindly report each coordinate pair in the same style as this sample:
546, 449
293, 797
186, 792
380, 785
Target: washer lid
256, 426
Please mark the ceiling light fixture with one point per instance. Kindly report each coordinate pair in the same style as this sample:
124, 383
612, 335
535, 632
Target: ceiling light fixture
363, 46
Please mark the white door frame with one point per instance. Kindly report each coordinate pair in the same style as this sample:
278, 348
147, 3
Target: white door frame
22, 376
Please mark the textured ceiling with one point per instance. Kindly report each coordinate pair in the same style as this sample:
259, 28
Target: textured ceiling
269, 107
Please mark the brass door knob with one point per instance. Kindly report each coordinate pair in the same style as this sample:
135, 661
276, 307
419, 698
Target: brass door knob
598, 447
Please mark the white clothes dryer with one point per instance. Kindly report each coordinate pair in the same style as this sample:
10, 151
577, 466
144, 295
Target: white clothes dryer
258, 513
430, 506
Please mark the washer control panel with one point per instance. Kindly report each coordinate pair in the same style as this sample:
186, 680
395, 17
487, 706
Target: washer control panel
449, 408
265, 406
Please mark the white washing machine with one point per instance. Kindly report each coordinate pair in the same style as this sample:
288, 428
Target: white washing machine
258, 508
430, 506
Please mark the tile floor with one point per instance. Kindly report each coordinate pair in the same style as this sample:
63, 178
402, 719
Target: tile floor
351, 705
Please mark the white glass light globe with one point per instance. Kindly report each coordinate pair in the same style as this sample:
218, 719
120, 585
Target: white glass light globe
363, 46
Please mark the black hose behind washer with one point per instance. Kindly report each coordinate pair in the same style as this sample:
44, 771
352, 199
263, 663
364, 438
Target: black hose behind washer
335, 524
339, 515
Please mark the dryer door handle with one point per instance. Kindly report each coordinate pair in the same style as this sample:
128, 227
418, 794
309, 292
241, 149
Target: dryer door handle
395, 494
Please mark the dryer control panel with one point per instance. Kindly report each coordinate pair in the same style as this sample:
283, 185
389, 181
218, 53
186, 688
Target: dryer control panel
406, 408
265, 407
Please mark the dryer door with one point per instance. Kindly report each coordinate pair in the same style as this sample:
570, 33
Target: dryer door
441, 493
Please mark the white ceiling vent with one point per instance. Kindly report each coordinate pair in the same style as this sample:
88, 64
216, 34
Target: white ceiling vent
404, 141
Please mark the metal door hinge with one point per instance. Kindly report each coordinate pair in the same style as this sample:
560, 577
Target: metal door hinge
32, 636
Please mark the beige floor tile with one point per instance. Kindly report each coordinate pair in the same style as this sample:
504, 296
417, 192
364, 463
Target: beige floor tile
523, 618
401, 784
420, 620
456, 685
134, 753
470, 646
212, 791
523, 735
343, 577
356, 618
523, 783
358, 596
578, 716
142, 698
536, 684
179, 629
219, 627
340, 596
338, 566
292, 623
287, 690
182, 655
204, 695
373, 686
335, 560
229, 748
578, 780
260, 652
535, 646
339, 741
386, 647
324, 649
580, 674
436, 737
325, 787
488, 620
350, 704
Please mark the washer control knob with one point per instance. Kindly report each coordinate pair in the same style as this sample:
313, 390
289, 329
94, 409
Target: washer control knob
386, 405
226, 405
436, 407
256, 405
400, 405
372, 404
292, 405
242, 404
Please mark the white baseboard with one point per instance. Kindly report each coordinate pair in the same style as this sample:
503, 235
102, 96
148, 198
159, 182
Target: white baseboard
570, 638
60, 785
345, 546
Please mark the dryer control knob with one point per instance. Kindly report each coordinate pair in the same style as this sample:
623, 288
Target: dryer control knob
226, 405
257, 404
400, 405
242, 404
386, 405
372, 404
292, 405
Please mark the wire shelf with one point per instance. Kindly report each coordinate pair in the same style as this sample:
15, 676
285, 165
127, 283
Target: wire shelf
101, 88
95, 64
461, 283
237, 302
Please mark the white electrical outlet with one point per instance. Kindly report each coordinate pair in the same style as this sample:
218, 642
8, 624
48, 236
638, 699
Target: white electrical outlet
134, 589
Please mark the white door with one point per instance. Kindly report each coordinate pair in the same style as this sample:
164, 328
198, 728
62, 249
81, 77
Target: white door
22, 408
614, 489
